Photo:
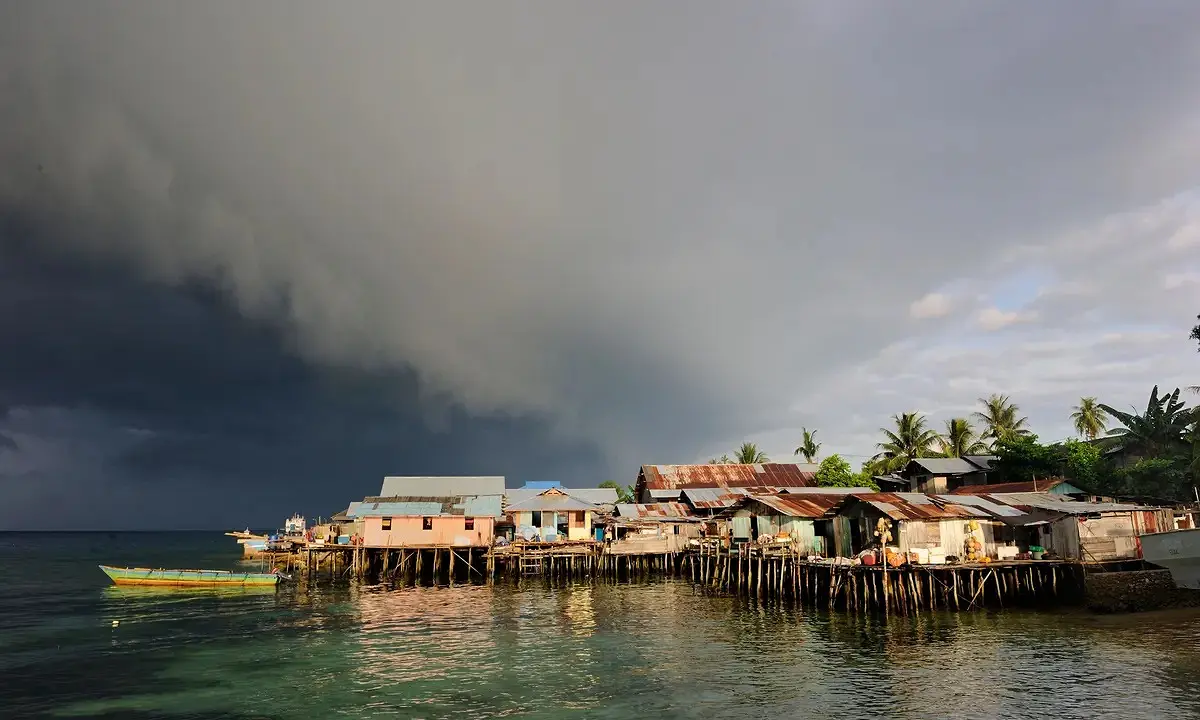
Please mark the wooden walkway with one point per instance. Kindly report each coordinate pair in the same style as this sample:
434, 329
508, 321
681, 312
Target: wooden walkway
765, 573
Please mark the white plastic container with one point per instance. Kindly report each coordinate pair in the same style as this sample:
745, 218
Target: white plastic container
1006, 552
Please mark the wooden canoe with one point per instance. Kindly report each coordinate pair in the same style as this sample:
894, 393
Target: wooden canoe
188, 578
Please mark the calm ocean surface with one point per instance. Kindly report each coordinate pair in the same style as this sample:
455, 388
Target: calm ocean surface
656, 650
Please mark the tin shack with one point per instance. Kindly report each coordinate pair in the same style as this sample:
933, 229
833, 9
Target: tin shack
558, 513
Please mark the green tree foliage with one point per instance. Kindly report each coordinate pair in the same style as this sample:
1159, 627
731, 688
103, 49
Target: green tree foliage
1159, 478
909, 439
1001, 419
1196, 334
835, 472
865, 479
1022, 458
723, 460
749, 454
960, 439
1160, 431
1084, 465
1089, 418
625, 493
809, 447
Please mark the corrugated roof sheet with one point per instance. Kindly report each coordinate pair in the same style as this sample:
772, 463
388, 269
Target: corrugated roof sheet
474, 506
1015, 487
983, 462
997, 509
483, 506
431, 486
596, 496
665, 494
801, 505
916, 506
1062, 504
655, 511
826, 490
713, 498
945, 466
718, 475
552, 501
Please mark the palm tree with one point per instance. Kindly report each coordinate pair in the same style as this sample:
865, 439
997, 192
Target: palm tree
809, 447
1089, 418
999, 416
749, 454
960, 439
911, 439
624, 492
723, 460
1161, 430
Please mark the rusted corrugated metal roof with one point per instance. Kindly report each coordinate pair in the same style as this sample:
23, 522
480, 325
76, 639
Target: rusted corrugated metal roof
916, 506
713, 498
1013, 487
654, 511
807, 505
664, 477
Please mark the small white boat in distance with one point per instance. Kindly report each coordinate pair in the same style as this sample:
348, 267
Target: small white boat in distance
1177, 551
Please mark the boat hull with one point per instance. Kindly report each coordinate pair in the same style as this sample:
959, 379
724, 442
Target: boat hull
1177, 551
188, 578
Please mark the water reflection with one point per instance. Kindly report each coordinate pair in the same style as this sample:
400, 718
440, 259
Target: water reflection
656, 650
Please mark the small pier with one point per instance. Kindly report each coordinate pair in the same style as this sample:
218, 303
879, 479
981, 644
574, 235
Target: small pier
764, 573
767, 573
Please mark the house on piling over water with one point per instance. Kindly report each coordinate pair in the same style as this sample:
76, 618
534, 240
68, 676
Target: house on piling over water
558, 513
934, 528
803, 519
645, 528
1092, 532
430, 512
666, 483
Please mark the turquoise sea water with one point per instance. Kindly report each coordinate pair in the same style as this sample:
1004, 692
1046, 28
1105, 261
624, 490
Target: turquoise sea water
602, 651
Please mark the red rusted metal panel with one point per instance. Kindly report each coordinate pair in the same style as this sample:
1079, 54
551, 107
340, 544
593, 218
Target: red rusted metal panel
671, 477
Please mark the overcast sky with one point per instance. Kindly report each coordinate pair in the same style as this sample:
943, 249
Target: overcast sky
254, 256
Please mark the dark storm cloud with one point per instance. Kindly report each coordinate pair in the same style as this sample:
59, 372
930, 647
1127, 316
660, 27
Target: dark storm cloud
649, 226
152, 395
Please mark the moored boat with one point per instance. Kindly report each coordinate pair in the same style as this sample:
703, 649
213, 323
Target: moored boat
187, 578
1177, 551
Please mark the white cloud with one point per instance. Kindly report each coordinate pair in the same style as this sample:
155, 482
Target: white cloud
933, 305
1173, 281
992, 319
1186, 237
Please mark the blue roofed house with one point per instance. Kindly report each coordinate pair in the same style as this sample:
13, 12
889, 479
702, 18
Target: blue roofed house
430, 512
557, 513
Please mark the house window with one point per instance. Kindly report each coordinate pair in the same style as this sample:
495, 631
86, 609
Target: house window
537, 519
470, 523
427, 523
387, 523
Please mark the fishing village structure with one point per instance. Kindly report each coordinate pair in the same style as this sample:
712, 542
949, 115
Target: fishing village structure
761, 530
